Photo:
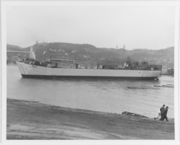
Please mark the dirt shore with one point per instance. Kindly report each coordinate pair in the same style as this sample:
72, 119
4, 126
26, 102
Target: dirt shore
33, 120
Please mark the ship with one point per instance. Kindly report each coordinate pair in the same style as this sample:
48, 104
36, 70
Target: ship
56, 68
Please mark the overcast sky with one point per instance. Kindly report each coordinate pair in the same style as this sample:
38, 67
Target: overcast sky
150, 27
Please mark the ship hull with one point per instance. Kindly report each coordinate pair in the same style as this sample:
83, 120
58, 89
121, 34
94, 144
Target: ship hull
32, 71
87, 77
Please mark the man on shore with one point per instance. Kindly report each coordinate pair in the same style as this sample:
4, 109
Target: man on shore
162, 109
164, 115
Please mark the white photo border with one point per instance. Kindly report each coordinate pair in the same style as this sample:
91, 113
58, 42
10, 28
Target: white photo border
4, 5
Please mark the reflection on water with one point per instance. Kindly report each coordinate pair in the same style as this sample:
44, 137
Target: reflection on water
143, 97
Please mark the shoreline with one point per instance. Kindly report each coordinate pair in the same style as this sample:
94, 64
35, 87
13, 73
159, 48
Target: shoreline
34, 120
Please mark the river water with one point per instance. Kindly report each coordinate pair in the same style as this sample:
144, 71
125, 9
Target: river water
116, 96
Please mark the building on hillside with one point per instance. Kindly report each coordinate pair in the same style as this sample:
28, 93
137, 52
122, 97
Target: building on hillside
170, 71
164, 70
167, 71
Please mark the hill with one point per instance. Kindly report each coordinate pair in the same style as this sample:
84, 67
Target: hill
89, 54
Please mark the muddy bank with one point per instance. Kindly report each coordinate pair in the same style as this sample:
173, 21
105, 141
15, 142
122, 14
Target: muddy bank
33, 120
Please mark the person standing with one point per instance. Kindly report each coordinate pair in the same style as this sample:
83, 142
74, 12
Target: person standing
161, 110
164, 114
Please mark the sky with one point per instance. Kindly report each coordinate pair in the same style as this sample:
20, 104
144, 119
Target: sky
108, 26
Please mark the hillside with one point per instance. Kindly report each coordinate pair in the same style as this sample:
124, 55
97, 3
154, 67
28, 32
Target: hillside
89, 54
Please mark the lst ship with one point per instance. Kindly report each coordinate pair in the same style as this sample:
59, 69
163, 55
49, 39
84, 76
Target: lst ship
31, 68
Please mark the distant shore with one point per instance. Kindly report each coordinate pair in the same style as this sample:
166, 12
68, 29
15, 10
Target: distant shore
33, 120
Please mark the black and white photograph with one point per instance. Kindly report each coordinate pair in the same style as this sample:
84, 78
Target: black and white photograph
90, 70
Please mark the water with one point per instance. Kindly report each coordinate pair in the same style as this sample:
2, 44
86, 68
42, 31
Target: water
114, 96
